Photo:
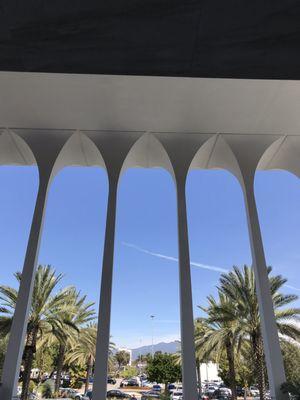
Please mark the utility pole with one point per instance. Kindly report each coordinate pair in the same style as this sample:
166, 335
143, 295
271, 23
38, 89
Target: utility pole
152, 329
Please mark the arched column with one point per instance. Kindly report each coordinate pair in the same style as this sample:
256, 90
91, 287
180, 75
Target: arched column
186, 302
181, 150
248, 151
114, 149
273, 356
45, 148
104, 316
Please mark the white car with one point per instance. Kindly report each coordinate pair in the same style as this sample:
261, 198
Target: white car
72, 394
177, 395
253, 391
210, 389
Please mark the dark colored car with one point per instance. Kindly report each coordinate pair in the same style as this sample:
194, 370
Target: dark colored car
171, 386
157, 388
222, 394
89, 394
111, 380
132, 382
118, 394
240, 391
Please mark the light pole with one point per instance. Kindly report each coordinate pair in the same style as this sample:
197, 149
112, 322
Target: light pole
140, 363
152, 318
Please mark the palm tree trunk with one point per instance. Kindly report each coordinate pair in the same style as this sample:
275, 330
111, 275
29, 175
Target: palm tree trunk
88, 373
198, 369
260, 366
60, 363
231, 365
29, 350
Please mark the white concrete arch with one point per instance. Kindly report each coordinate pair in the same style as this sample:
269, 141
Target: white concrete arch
14, 150
215, 153
242, 155
248, 151
147, 152
181, 149
79, 150
45, 147
114, 148
283, 154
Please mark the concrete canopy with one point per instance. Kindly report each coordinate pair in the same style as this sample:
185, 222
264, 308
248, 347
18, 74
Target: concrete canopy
60, 103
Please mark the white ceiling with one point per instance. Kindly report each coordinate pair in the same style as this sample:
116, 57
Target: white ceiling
152, 104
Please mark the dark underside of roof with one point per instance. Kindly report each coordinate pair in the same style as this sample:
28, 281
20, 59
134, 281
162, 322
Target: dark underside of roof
200, 38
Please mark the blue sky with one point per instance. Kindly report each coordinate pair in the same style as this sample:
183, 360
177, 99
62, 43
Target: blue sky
146, 270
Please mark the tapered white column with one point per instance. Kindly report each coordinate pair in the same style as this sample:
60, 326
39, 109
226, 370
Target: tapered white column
274, 360
189, 378
114, 149
13, 358
103, 335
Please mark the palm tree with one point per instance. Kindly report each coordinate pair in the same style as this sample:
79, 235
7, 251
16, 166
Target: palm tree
78, 313
83, 351
122, 358
218, 334
239, 287
200, 330
45, 314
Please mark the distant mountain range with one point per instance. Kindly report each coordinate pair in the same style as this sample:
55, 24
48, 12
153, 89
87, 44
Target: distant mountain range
171, 347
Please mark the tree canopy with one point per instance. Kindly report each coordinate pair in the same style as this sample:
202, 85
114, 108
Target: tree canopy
163, 368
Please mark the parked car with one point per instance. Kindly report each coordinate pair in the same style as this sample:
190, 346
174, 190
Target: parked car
146, 384
118, 394
32, 396
124, 382
176, 395
240, 392
150, 395
72, 394
111, 380
210, 390
222, 394
156, 388
204, 397
171, 388
89, 394
253, 391
133, 382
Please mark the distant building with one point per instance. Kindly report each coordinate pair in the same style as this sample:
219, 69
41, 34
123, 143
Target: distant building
209, 372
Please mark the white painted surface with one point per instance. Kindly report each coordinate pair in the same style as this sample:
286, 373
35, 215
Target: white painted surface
172, 123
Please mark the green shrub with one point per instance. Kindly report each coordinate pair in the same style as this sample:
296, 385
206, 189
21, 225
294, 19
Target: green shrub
32, 386
129, 371
164, 397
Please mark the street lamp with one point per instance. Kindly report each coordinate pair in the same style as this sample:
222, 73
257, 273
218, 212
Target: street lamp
152, 318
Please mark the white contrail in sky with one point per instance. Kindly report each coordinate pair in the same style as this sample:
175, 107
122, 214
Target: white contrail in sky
170, 258
292, 287
193, 263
